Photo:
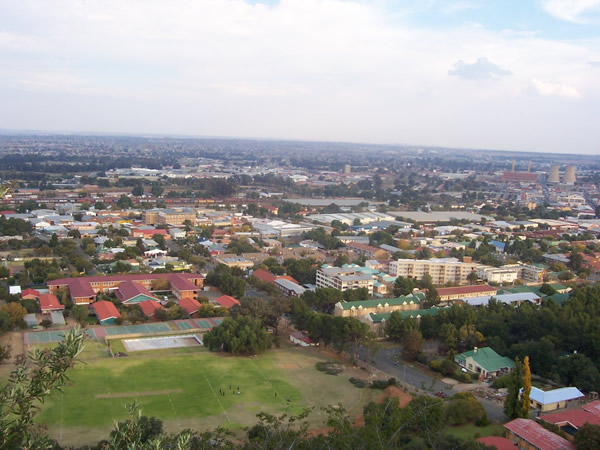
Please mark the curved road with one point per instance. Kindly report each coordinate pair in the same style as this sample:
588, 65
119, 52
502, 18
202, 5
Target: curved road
387, 361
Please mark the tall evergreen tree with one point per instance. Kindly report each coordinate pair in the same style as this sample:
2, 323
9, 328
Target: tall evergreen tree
526, 382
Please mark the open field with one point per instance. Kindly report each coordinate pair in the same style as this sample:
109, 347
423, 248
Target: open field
181, 387
473, 432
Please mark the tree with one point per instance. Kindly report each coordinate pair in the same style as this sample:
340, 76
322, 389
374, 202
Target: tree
161, 284
46, 323
323, 299
512, 401
341, 259
579, 370
463, 408
404, 286
80, 313
472, 277
16, 312
524, 401
136, 432
239, 335
412, 344
157, 189
547, 289
37, 374
588, 437
138, 191
124, 202
234, 286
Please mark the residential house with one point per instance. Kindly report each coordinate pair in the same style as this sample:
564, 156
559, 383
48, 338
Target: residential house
484, 361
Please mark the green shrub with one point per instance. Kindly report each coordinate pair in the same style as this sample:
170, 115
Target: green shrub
501, 382
359, 383
328, 368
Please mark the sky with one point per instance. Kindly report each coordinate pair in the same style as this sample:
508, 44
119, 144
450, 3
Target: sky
493, 74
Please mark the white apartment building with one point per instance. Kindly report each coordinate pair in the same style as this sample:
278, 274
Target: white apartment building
511, 272
441, 270
343, 279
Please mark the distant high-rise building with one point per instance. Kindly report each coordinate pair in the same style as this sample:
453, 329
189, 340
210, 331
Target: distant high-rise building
554, 176
347, 168
570, 175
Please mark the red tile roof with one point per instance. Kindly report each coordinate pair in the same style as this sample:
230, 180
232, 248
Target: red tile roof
49, 302
501, 443
31, 292
227, 301
130, 289
593, 407
189, 305
79, 287
181, 282
264, 275
149, 307
105, 310
301, 336
537, 435
575, 417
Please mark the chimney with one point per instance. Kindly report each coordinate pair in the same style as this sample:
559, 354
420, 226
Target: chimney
474, 349
513, 165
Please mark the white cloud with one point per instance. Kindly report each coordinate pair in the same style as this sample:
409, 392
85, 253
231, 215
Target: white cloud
553, 89
482, 68
577, 11
309, 69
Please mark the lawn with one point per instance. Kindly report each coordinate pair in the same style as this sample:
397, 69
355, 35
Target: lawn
182, 389
469, 432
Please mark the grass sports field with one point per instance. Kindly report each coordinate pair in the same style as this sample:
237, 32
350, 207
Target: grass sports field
181, 387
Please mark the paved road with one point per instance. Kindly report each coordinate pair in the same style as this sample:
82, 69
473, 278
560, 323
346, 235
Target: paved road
386, 360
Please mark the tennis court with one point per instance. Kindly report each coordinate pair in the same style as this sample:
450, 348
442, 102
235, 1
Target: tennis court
158, 343
144, 328
185, 324
46, 337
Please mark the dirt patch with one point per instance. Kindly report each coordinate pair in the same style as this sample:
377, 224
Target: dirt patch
404, 398
139, 394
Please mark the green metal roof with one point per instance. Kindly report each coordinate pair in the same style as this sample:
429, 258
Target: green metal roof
559, 298
415, 298
376, 318
488, 359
